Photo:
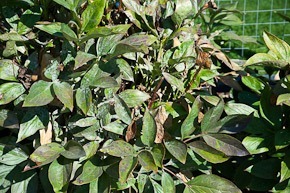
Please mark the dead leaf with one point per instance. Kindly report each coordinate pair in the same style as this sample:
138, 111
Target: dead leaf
200, 117
160, 119
46, 134
131, 131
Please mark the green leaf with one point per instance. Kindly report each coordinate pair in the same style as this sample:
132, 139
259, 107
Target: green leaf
134, 97
73, 150
119, 148
93, 74
283, 99
105, 82
115, 127
134, 43
268, 109
69, 4
51, 28
212, 184
84, 99
255, 144
10, 49
24, 184
167, 183
46, 153
238, 109
211, 117
173, 81
282, 139
158, 153
8, 70
207, 152
11, 155
8, 119
146, 160
253, 83
126, 166
59, 175
134, 6
33, 120
52, 69
279, 47
106, 31
92, 170
92, 15
182, 11
285, 169
10, 91
233, 124
40, 94
122, 110
68, 33
177, 149
82, 58
265, 169
187, 127
266, 60
107, 43
64, 93
226, 144
86, 122
149, 129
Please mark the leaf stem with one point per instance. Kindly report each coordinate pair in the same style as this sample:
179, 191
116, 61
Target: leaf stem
193, 137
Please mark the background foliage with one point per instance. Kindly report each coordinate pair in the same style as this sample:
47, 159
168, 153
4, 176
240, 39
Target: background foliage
103, 96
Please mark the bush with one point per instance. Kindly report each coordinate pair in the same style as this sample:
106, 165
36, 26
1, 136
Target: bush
136, 96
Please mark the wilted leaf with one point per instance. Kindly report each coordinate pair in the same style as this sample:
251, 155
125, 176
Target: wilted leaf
126, 166
119, 148
177, 149
46, 134
212, 184
134, 97
64, 93
10, 91
160, 119
145, 158
46, 153
131, 131
208, 153
226, 144
40, 94
148, 129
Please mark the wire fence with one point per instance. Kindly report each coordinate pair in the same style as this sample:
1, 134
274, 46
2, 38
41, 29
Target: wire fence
260, 15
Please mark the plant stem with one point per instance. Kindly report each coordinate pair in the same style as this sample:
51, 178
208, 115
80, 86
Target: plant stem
193, 137
154, 93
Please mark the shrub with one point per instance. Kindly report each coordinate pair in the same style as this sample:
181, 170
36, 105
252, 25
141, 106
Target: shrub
136, 96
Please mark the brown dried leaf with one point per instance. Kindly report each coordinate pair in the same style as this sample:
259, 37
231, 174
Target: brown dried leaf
131, 131
160, 119
46, 134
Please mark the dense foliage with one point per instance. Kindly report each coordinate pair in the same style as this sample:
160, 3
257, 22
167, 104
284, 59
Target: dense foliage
137, 96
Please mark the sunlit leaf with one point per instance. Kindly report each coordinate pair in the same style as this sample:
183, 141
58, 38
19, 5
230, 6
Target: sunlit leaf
148, 129
177, 149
